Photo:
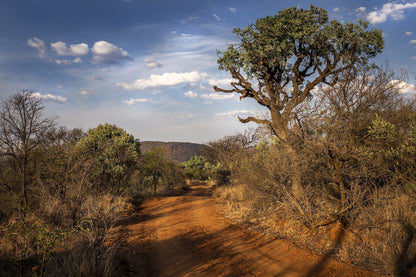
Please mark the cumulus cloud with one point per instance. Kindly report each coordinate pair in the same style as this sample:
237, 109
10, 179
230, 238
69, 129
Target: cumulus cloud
38, 44
180, 115
408, 33
191, 94
217, 96
216, 17
232, 114
108, 53
219, 82
413, 41
233, 10
393, 10
151, 62
361, 9
50, 97
166, 79
133, 101
75, 50
404, 87
336, 9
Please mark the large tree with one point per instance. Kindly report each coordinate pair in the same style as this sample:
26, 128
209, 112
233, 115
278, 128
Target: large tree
114, 155
280, 59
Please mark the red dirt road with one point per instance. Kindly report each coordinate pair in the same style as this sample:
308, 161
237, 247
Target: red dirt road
188, 236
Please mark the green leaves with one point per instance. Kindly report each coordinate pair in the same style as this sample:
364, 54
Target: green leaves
274, 40
114, 154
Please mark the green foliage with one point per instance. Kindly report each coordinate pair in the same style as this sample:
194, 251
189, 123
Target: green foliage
273, 41
114, 154
32, 231
157, 169
199, 168
382, 130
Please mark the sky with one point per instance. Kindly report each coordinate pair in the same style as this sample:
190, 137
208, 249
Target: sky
148, 66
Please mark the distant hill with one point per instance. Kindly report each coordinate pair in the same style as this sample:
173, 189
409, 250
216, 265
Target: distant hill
177, 151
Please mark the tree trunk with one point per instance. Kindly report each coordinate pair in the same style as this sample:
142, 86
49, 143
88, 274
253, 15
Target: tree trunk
283, 134
155, 179
340, 181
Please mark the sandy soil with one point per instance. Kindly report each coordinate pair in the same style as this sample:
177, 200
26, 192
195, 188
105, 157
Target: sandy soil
188, 236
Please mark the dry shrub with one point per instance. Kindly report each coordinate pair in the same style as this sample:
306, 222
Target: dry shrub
42, 243
86, 259
374, 227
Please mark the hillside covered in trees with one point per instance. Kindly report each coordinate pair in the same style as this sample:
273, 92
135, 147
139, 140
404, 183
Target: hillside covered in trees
177, 151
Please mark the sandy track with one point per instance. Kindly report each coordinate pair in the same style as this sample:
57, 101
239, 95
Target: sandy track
188, 236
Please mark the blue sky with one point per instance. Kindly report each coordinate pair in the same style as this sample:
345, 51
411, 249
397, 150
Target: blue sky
148, 66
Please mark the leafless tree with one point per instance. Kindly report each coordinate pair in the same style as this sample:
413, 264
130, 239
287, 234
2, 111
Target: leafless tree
22, 126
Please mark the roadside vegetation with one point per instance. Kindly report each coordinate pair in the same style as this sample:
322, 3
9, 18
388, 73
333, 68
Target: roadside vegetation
333, 169
62, 190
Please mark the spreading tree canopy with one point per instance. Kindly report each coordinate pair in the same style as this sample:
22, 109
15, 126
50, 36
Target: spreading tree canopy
114, 154
280, 59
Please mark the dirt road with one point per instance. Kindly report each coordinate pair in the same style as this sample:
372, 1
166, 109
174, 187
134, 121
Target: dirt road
188, 236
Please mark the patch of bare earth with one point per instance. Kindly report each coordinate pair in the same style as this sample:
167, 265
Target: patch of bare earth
188, 236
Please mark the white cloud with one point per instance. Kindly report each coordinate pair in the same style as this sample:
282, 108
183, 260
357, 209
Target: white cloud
39, 45
208, 102
217, 96
151, 62
361, 9
216, 17
84, 93
62, 62
393, 10
180, 115
77, 60
166, 79
404, 87
413, 58
50, 97
220, 82
232, 114
59, 86
408, 33
107, 53
413, 41
336, 9
133, 101
233, 10
75, 50
191, 94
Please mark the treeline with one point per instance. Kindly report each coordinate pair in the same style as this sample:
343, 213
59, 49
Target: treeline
62, 190
354, 153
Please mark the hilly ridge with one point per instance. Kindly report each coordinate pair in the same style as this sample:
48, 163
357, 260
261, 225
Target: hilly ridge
177, 151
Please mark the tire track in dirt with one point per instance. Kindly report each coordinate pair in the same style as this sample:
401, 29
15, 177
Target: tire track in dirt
188, 236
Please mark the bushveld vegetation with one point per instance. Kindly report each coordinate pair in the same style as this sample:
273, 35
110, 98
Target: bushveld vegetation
62, 190
334, 168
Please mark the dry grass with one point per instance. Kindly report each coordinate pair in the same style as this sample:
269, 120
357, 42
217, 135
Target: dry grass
44, 241
382, 236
